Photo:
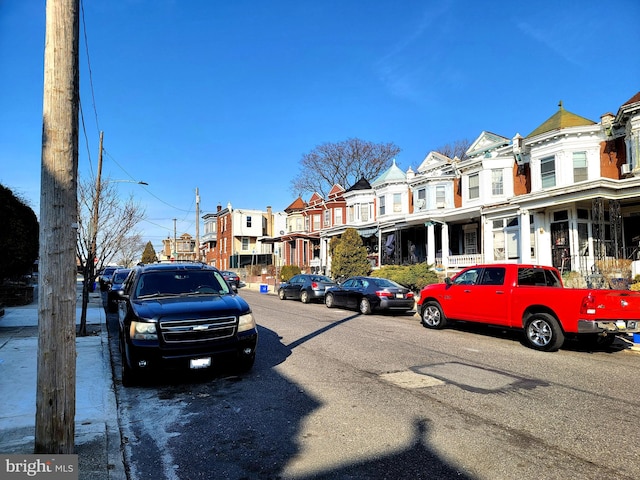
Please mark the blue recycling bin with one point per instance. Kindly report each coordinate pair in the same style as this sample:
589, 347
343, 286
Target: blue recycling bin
264, 288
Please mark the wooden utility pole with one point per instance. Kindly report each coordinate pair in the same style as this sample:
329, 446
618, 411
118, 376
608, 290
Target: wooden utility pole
197, 225
56, 378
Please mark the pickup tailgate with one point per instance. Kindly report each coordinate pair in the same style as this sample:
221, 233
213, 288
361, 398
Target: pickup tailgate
617, 305
610, 311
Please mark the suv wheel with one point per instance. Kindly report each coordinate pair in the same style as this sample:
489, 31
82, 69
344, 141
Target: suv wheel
128, 375
245, 363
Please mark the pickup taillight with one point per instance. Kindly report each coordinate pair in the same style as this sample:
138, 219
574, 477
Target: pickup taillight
588, 305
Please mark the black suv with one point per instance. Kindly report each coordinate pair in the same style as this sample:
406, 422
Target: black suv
182, 315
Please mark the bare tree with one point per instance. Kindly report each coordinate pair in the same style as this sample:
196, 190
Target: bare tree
456, 149
130, 251
342, 163
115, 227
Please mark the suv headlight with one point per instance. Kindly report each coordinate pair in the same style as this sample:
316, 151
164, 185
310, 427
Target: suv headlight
246, 322
143, 331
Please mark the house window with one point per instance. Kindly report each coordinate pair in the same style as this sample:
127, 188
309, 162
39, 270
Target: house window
248, 221
316, 222
245, 244
474, 186
532, 239
327, 218
471, 242
421, 200
548, 172
440, 196
382, 205
364, 212
337, 216
397, 202
497, 182
506, 239
580, 172
351, 213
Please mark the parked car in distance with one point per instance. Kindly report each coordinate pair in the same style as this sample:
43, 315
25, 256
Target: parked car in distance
115, 284
305, 287
369, 294
184, 316
232, 278
105, 275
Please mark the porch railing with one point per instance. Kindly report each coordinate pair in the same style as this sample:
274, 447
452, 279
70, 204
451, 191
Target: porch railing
460, 261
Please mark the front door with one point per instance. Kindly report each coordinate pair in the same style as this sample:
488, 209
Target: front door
560, 249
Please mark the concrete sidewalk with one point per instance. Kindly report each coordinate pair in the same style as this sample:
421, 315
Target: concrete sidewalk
97, 435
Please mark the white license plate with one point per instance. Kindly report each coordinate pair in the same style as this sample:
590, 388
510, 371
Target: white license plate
621, 324
399, 295
200, 362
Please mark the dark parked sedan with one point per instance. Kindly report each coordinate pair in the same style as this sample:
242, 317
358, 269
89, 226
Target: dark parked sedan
232, 279
305, 287
370, 293
115, 284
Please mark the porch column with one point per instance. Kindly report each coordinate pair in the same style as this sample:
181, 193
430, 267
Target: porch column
525, 236
445, 244
431, 245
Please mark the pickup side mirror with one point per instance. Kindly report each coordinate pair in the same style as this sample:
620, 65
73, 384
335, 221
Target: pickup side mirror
448, 281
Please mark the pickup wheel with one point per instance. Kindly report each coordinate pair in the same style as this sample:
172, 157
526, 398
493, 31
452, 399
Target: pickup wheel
432, 316
543, 333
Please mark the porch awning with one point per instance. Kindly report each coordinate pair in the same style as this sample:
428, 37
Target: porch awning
367, 232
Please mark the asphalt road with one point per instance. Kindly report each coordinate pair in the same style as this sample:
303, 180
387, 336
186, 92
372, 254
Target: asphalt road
337, 395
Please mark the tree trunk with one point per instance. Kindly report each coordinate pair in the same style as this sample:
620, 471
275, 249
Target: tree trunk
56, 378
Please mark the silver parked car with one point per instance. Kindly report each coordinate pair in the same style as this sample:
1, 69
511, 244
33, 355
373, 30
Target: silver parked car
305, 287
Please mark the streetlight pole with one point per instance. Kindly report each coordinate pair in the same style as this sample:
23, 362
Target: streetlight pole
94, 219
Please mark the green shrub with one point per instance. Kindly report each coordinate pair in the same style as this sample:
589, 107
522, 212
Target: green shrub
289, 271
414, 277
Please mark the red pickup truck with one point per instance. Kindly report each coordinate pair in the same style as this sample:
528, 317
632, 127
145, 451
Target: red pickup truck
531, 298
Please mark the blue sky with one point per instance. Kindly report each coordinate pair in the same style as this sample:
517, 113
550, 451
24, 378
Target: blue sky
228, 96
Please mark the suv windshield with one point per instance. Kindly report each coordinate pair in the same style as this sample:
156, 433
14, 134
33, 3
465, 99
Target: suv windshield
181, 283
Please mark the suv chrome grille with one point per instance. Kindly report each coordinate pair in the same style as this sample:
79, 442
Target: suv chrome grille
197, 330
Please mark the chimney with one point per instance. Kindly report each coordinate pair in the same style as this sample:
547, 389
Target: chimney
269, 222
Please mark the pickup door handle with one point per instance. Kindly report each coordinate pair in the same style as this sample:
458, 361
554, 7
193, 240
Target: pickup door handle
467, 291
499, 292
